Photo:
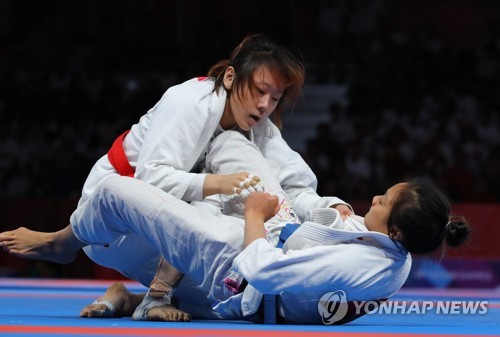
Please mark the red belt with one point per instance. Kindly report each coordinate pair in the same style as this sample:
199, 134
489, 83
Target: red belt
118, 159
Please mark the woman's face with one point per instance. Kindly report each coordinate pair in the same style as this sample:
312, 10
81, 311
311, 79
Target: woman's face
254, 103
377, 217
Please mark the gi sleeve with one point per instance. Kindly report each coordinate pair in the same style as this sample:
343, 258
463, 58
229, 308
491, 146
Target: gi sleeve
363, 270
181, 126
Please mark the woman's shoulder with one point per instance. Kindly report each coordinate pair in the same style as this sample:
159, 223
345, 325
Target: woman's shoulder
198, 86
193, 95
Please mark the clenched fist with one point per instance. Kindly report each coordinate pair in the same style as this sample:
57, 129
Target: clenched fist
261, 206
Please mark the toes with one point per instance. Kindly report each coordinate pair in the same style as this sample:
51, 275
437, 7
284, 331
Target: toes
96, 311
168, 313
84, 313
179, 316
87, 312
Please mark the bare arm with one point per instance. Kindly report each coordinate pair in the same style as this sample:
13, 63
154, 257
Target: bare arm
259, 208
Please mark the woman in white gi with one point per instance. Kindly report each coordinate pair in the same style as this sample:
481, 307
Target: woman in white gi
367, 258
213, 239
167, 145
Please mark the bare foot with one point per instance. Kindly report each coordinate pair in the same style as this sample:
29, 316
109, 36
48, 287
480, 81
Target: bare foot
168, 313
123, 303
159, 309
60, 247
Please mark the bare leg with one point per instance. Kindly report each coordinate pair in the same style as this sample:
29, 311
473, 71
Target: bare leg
156, 305
166, 279
123, 301
60, 247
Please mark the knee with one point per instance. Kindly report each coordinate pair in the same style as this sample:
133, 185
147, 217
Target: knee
230, 135
231, 152
231, 140
110, 187
112, 183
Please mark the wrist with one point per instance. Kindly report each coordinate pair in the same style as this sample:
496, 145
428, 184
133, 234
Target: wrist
254, 218
254, 229
211, 184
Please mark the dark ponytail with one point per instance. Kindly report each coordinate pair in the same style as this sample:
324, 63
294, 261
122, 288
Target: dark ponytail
456, 231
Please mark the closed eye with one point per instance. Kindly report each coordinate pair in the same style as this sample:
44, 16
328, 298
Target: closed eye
260, 91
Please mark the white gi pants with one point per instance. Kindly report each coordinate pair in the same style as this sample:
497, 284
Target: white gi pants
129, 223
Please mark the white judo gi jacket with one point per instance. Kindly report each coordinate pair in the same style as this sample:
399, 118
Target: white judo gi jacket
315, 260
165, 146
168, 141
319, 257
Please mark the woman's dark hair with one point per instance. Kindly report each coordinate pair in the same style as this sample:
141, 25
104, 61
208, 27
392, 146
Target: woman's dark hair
422, 213
257, 51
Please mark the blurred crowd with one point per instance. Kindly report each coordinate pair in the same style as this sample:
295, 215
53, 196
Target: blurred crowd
416, 105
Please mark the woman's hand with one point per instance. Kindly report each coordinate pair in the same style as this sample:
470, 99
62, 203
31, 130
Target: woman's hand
259, 207
344, 210
241, 183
